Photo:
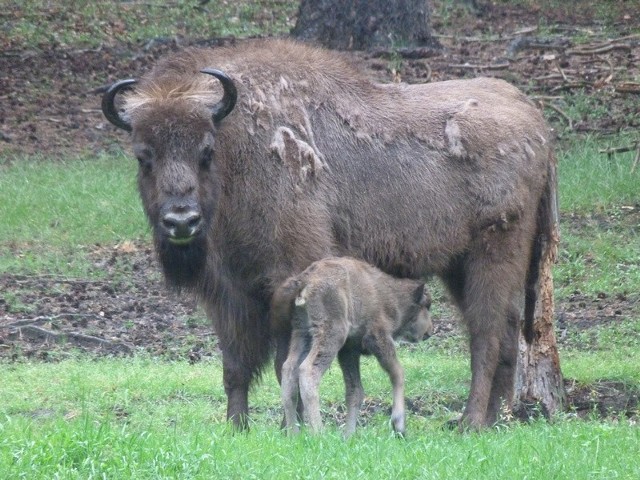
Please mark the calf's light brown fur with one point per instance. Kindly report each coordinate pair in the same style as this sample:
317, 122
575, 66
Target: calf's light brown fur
345, 307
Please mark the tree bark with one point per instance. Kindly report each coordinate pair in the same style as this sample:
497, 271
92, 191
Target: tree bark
363, 24
539, 383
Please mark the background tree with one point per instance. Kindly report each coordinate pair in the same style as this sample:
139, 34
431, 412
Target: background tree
363, 24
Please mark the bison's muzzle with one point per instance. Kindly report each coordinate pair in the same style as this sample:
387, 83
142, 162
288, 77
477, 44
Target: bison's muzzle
180, 223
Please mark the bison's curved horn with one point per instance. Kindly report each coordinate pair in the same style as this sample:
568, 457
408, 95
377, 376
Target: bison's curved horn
108, 106
224, 106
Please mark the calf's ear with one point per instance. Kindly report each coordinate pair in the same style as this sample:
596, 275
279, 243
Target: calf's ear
422, 296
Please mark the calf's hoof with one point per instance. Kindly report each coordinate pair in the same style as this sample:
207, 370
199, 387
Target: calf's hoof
398, 425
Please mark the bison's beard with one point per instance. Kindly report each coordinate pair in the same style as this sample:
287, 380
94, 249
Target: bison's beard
183, 265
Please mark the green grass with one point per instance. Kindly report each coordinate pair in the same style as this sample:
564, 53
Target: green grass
142, 418
600, 221
55, 212
605, 351
91, 24
590, 182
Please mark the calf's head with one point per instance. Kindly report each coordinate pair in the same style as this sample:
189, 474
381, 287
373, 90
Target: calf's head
173, 130
416, 322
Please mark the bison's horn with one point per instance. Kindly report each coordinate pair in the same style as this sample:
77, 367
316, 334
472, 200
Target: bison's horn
108, 106
224, 106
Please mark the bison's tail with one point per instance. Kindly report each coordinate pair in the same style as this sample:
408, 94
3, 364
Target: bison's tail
282, 304
546, 233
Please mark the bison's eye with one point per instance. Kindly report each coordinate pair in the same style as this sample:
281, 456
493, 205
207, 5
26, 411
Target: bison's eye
145, 158
205, 157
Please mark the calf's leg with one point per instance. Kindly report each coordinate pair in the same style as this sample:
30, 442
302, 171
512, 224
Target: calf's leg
380, 344
349, 360
290, 381
282, 351
316, 363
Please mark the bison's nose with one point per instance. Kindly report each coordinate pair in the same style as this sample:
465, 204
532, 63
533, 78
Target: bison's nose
182, 226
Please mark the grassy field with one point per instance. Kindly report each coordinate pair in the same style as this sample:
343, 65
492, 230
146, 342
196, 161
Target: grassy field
145, 418
54, 213
90, 24
149, 418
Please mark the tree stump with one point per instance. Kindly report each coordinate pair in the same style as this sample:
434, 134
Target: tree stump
539, 382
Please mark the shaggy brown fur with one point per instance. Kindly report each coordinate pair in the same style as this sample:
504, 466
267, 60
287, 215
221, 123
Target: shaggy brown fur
345, 307
452, 178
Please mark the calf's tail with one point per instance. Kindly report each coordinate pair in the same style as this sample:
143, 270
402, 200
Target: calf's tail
282, 304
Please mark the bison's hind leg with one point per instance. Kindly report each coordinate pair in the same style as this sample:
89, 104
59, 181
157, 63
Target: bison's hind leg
502, 387
488, 286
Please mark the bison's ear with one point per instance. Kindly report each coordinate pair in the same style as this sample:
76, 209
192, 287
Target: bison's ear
228, 101
108, 103
422, 296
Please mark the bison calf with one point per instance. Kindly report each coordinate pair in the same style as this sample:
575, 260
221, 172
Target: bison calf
344, 307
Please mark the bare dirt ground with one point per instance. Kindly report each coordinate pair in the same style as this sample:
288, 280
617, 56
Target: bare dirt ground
49, 105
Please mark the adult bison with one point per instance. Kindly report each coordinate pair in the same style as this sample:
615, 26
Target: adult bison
258, 159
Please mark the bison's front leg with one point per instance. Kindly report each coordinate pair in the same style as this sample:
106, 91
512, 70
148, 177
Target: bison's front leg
236, 378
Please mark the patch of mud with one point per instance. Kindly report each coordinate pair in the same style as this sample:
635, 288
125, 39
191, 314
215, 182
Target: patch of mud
129, 310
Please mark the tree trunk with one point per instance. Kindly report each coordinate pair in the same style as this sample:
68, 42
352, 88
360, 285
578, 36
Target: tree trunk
362, 24
539, 383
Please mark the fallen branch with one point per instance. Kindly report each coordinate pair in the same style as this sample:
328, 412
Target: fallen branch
494, 38
551, 76
427, 67
522, 43
628, 87
547, 98
606, 80
569, 86
497, 66
51, 318
628, 37
595, 51
557, 65
613, 150
599, 60
557, 110
408, 53
28, 279
38, 333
